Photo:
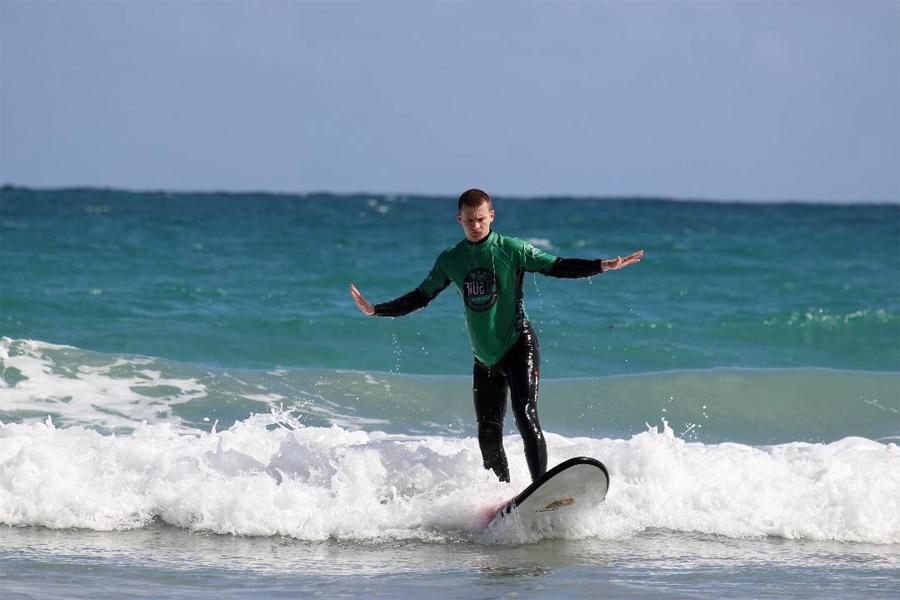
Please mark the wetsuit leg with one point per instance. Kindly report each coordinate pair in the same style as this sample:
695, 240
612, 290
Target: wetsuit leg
489, 387
522, 365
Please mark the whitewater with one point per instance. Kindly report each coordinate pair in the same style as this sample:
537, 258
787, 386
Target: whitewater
345, 476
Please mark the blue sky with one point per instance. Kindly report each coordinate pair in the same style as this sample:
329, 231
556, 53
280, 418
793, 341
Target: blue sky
752, 100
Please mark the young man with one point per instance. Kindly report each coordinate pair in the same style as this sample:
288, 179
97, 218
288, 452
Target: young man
487, 269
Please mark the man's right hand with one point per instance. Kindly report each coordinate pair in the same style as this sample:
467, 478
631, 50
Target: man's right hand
361, 303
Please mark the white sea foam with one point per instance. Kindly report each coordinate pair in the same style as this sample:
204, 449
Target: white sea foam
268, 475
119, 394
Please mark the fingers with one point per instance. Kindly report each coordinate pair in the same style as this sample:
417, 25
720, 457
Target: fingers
361, 302
619, 262
356, 295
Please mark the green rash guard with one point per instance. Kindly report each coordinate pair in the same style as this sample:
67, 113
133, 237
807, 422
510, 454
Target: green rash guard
488, 275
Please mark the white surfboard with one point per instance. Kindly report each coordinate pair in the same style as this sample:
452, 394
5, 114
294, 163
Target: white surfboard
576, 484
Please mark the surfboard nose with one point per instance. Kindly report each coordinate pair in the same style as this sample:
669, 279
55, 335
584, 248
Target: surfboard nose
580, 482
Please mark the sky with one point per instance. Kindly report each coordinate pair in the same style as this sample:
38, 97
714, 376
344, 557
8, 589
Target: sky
731, 100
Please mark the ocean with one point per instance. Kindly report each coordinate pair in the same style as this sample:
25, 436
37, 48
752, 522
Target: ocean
192, 406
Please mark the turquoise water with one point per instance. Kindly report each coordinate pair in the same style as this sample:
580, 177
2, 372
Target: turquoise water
260, 280
189, 371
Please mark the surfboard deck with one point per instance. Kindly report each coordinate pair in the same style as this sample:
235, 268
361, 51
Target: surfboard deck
575, 484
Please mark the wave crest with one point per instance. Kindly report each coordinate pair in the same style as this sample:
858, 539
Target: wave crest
269, 475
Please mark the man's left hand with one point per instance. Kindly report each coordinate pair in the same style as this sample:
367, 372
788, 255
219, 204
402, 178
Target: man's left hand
619, 262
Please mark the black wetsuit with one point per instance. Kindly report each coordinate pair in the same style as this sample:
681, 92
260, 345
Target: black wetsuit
488, 274
519, 372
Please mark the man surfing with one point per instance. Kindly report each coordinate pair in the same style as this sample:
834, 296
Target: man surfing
487, 269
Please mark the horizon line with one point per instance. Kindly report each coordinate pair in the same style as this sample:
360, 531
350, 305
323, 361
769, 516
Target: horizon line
396, 195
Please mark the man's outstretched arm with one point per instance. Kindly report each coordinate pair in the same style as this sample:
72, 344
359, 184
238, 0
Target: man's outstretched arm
403, 305
571, 268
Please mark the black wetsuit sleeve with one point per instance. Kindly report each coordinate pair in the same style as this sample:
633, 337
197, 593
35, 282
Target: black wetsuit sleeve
405, 304
571, 268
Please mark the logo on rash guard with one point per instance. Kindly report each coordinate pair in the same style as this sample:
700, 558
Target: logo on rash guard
480, 289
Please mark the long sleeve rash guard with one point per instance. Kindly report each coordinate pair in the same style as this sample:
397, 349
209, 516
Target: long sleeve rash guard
488, 275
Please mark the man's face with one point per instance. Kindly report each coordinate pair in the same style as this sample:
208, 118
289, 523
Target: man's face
476, 222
